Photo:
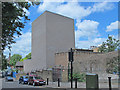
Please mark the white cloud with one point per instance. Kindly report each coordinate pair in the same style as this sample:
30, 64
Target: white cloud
87, 28
91, 42
100, 7
99, 40
113, 26
80, 0
22, 45
73, 9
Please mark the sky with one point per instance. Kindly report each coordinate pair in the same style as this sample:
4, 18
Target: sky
93, 21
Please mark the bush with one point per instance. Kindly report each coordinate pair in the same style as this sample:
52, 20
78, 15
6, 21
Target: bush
112, 65
80, 77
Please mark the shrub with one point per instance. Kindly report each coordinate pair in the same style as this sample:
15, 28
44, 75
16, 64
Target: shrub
80, 77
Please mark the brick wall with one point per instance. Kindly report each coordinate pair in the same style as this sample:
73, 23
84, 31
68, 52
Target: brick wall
92, 62
61, 59
45, 74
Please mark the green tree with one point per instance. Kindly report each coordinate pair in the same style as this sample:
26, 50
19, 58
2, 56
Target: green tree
4, 62
111, 44
79, 76
13, 21
14, 59
28, 56
21, 60
112, 65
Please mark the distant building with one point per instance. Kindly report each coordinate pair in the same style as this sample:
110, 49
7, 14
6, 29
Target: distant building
94, 48
51, 33
83, 50
19, 66
8, 59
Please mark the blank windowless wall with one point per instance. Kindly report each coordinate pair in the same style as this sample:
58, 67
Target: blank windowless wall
51, 33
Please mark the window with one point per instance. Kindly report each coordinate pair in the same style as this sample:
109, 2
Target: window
37, 77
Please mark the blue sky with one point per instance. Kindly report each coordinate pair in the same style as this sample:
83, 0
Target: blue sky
93, 22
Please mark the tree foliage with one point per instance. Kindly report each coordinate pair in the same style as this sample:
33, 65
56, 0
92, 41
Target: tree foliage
14, 59
79, 76
4, 62
21, 60
26, 57
112, 65
12, 23
111, 44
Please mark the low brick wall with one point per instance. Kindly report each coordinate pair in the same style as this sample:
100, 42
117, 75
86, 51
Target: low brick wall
45, 74
65, 75
19, 74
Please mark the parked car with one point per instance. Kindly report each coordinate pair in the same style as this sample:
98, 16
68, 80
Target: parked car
36, 80
3, 74
23, 80
8, 78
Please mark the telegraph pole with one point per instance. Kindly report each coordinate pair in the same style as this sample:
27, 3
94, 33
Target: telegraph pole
71, 75
71, 60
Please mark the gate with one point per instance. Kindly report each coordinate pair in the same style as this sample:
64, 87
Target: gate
56, 73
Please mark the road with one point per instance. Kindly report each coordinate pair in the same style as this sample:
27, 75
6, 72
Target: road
11, 84
15, 84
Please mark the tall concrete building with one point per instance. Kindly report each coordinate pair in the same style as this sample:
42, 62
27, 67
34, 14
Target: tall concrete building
51, 33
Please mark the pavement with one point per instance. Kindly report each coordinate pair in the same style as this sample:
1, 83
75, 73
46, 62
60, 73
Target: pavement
79, 85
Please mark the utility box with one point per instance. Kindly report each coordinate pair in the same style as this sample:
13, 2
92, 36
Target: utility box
92, 82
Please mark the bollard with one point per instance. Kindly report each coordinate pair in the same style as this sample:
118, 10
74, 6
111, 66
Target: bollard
109, 78
76, 83
47, 81
58, 82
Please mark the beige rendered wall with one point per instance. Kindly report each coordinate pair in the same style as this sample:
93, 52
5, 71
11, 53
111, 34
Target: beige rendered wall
39, 42
27, 65
51, 33
59, 36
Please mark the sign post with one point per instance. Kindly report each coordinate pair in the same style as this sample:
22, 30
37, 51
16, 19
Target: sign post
71, 60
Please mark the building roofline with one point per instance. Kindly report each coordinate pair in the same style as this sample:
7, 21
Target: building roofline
53, 13
59, 14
